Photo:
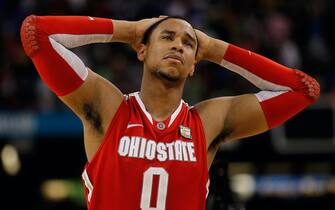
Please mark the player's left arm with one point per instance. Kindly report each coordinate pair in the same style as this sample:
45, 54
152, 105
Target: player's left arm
284, 93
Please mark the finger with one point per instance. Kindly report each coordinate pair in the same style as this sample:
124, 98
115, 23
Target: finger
163, 16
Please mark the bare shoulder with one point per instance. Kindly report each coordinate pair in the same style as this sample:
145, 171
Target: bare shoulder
228, 118
95, 102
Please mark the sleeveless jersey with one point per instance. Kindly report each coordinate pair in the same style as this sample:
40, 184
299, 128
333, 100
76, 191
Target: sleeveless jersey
147, 165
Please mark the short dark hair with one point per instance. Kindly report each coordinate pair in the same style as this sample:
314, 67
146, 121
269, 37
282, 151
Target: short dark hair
148, 32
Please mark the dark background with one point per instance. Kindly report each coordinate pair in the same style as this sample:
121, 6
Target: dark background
292, 167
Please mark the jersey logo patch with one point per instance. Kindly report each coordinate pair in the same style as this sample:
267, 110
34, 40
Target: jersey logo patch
185, 132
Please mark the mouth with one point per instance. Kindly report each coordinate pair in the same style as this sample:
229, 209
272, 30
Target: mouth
174, 57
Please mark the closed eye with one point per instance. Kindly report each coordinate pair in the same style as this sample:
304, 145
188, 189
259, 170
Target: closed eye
189, 44
167, 37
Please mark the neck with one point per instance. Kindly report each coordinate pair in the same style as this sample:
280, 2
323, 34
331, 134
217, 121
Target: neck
160, 97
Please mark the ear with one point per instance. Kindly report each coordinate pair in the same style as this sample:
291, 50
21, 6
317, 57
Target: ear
141, 52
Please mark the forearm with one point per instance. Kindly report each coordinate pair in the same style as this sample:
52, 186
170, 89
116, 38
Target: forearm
73, 31
261, 71
285, 91
45, 40
215, 51
124, 31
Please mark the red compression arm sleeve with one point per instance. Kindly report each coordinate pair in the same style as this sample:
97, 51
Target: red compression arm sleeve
285, 91
45, 40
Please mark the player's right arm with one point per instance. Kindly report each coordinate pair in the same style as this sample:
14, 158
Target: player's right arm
47, 40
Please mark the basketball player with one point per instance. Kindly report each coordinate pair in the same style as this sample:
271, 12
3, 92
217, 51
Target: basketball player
149, 150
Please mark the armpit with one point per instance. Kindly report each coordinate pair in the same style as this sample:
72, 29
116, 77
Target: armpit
93, 117
221, 138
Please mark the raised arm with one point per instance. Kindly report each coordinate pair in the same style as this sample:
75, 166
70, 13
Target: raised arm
285, 92
47, 40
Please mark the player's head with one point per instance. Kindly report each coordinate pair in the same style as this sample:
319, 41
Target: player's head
148, 32
169, 49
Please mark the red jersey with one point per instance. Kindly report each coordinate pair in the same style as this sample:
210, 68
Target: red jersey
147, 165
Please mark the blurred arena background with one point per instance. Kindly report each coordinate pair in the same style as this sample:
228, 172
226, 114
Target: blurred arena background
291, 168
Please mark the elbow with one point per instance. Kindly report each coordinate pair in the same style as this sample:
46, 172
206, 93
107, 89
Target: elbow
29, 36
311, 87
316, 93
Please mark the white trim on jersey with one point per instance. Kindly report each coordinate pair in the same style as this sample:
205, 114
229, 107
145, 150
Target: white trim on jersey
140, 102
175, 113
88, 184
207, 187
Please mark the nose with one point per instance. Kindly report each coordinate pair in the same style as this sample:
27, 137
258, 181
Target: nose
177, 45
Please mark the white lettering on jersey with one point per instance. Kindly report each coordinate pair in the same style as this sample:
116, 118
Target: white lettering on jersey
161, 152
177, 147
184, 150
142, 149
151, 150
190, 149
138, 147
170, 150
133, 147
124, 146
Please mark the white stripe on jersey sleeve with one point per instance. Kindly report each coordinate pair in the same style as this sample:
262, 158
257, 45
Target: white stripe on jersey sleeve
72, 59
254, 79
265, 95
71, 40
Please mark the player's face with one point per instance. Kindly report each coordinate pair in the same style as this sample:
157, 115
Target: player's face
171, 50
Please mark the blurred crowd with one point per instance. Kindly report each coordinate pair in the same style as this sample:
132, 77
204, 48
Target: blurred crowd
297, 34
